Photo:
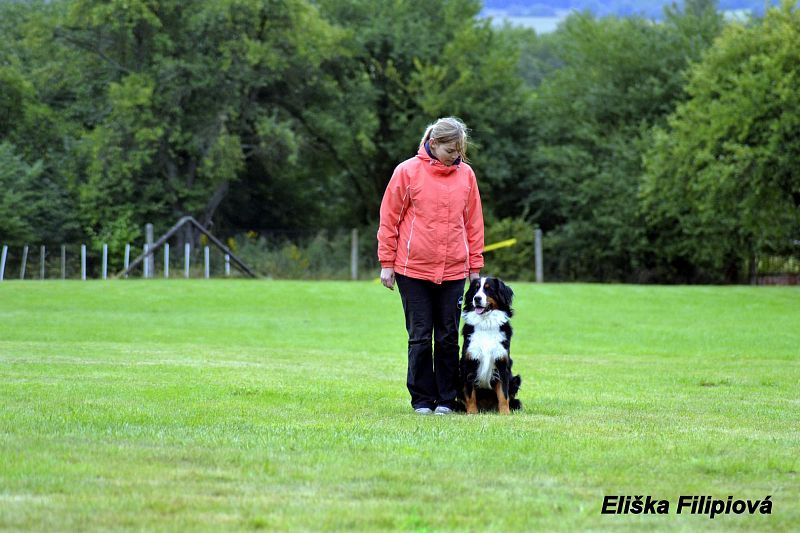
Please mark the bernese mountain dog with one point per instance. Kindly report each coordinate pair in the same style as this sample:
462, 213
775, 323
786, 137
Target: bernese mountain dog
485, 367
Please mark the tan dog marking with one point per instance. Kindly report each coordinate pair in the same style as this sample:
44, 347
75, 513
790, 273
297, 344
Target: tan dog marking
502, 401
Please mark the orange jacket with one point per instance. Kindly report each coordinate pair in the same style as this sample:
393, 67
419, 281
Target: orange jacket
431, 220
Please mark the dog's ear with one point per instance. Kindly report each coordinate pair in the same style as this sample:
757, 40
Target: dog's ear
506, 294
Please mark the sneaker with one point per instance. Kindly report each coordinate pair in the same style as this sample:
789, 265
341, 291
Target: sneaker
423, 410
443, 410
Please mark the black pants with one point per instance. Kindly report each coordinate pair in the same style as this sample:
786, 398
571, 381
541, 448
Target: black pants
432, 311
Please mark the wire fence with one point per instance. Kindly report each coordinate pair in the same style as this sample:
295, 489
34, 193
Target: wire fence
778, 270
279, 254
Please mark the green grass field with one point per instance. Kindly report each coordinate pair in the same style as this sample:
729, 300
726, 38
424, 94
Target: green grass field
206, 405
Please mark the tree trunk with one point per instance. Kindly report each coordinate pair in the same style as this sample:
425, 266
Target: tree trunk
213, 203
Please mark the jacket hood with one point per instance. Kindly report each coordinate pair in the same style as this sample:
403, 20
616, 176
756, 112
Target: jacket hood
437, 166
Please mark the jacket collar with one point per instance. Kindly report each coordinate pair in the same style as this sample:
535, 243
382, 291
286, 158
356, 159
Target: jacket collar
437, 166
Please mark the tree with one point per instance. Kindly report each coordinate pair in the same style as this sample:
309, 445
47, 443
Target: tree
409, 64
32, 208
250, 113
593, 115
192, 97
16, 180
722, 185
36, 203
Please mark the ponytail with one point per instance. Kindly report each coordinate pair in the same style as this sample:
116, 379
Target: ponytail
427, 135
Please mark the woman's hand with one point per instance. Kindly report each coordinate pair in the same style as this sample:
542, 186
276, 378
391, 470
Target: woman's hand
474, 276
387, 278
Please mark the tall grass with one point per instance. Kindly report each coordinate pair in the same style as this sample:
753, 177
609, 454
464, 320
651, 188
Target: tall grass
207, 405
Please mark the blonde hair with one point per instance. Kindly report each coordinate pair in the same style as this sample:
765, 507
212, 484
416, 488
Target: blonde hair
447, 130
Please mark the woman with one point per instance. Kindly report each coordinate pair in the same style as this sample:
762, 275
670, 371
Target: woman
430, 240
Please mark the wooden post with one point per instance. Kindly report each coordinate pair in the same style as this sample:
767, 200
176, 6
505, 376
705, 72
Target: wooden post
354, 254
105, 261
24, 262
166, 261
83, 262
207, 260
187, 250
149, 260
3, 262
538, 253
127, 259
227, 265
42, 255
63, 261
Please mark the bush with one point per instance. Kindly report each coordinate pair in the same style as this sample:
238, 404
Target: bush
322, 255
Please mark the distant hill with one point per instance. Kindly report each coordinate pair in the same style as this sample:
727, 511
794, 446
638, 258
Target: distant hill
621, 8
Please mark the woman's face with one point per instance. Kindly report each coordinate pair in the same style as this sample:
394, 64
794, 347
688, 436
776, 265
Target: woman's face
447, 153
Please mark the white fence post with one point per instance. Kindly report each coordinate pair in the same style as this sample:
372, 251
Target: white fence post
187, 250
83, 262
63, 261
227, 265
24, 262
3, 262
42, 255
166, 260
146, 263
150, 260
207, 258
127, 259
105, 261
539, 267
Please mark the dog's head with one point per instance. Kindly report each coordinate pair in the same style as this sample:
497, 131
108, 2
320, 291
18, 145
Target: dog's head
488, 294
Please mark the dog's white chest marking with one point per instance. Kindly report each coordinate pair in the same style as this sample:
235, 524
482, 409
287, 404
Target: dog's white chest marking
486, 343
